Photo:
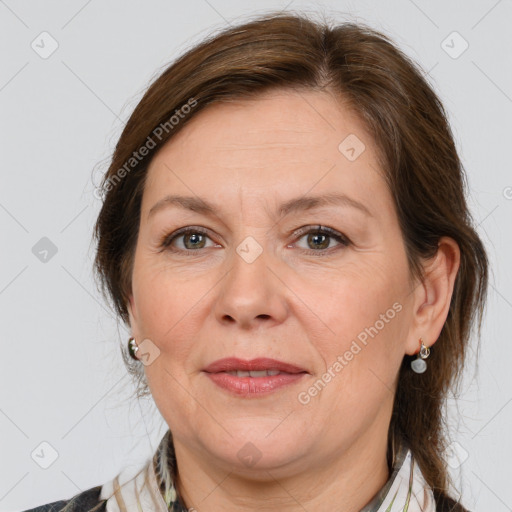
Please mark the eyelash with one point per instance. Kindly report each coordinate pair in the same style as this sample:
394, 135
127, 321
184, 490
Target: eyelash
165, 243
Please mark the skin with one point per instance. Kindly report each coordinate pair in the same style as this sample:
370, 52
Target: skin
247, 157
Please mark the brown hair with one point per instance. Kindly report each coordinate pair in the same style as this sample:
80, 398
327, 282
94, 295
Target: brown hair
418, 157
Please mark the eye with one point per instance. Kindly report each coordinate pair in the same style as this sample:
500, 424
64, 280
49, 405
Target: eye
193, 238
319, 238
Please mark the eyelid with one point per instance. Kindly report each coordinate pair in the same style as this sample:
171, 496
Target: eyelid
316, 227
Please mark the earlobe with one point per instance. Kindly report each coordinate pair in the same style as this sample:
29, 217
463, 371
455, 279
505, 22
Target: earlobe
433, 295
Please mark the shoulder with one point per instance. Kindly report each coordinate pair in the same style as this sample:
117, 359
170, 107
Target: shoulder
88, 500
446, 504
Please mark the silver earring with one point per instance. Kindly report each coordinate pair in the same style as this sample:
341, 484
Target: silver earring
419, 365
132, 348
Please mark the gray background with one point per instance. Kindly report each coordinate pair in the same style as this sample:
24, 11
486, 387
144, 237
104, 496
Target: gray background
62, 378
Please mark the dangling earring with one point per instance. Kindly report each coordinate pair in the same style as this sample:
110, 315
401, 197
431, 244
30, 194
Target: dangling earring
132, 348
419, 365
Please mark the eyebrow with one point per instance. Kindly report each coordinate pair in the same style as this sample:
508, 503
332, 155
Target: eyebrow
202, 206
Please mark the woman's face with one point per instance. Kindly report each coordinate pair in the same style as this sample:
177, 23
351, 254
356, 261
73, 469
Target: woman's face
244, 283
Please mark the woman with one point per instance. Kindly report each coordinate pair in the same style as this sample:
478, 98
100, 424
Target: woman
284, 230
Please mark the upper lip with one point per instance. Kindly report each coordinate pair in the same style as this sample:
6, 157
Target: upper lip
229, 364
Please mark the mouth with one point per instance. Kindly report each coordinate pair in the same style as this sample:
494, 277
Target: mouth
254, 378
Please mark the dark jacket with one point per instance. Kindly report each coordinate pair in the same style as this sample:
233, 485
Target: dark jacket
88, 499
84, 501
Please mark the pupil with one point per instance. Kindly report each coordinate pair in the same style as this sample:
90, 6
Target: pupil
193, 236
315, 237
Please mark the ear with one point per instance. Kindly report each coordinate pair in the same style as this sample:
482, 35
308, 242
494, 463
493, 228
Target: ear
433, 295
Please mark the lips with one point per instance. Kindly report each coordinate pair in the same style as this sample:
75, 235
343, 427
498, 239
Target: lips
256, 378
259, 367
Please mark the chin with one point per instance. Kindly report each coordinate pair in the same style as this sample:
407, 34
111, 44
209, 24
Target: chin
255, 447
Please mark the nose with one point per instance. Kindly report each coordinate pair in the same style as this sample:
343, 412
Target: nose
252, 291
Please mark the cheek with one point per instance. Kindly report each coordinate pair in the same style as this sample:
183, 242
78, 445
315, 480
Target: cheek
365, 315
165, 308
363, 358
163, 295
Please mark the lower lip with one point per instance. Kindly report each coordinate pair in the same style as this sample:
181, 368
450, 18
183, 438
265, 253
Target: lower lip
254, 386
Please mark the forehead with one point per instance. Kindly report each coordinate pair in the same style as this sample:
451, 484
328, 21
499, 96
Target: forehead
280, 141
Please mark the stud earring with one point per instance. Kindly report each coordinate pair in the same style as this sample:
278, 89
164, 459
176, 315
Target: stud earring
132, 348
419, 365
